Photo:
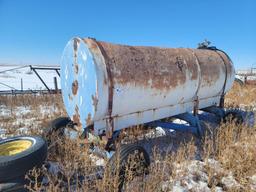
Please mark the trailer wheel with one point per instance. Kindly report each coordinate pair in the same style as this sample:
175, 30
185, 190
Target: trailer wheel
239, 81
57, 129
20, 154
233, 116
132, 157
14, 185
58, 125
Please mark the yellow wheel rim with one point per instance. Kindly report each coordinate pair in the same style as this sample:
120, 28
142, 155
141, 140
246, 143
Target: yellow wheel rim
14, 147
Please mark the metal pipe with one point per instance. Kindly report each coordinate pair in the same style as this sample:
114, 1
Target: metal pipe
55, 84
32, 68
175, 126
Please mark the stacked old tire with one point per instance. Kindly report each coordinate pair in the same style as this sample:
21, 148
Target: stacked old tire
18, 155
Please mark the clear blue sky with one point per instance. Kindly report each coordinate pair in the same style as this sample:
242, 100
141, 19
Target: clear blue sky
36, 31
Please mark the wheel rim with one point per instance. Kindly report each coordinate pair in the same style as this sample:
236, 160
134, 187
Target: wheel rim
14, 147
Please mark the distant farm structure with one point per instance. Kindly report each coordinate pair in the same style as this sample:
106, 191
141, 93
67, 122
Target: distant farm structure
247, 76
29, 79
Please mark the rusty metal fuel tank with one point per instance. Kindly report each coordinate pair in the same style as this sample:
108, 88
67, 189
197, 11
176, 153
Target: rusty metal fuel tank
113, 86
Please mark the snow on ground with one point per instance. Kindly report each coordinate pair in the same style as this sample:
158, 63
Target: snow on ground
190, 175
10, 78
20, 118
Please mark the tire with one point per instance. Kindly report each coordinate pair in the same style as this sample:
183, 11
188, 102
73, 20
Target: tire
56, 128
15, 185
123, 157
58, 125
233, 116
239, 81
19, 162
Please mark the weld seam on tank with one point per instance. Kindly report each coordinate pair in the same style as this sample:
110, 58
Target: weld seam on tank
199, 72
226, 73
225, 81
107, 117
110, 88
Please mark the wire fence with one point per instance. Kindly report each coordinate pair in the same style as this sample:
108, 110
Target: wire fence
12, 69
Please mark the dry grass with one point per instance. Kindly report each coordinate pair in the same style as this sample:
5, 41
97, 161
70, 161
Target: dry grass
229, 153
30, 111
241, 96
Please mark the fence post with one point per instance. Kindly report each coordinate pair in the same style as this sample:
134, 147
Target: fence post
55, 84
21, 84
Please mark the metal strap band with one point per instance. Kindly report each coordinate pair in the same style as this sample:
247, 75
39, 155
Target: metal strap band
110, 90
226, 72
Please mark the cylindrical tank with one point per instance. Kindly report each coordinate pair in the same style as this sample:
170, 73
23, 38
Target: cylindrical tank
115, 86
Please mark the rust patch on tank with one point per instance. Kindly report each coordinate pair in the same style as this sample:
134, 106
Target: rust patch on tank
75, 46
92, 44
76, 43
75, 87
228, 63
179, 62
141, 65
76, 117
70, 97
95, 102
211, 66
76, 68
192, 63
181, 100
159, 68
88, 120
